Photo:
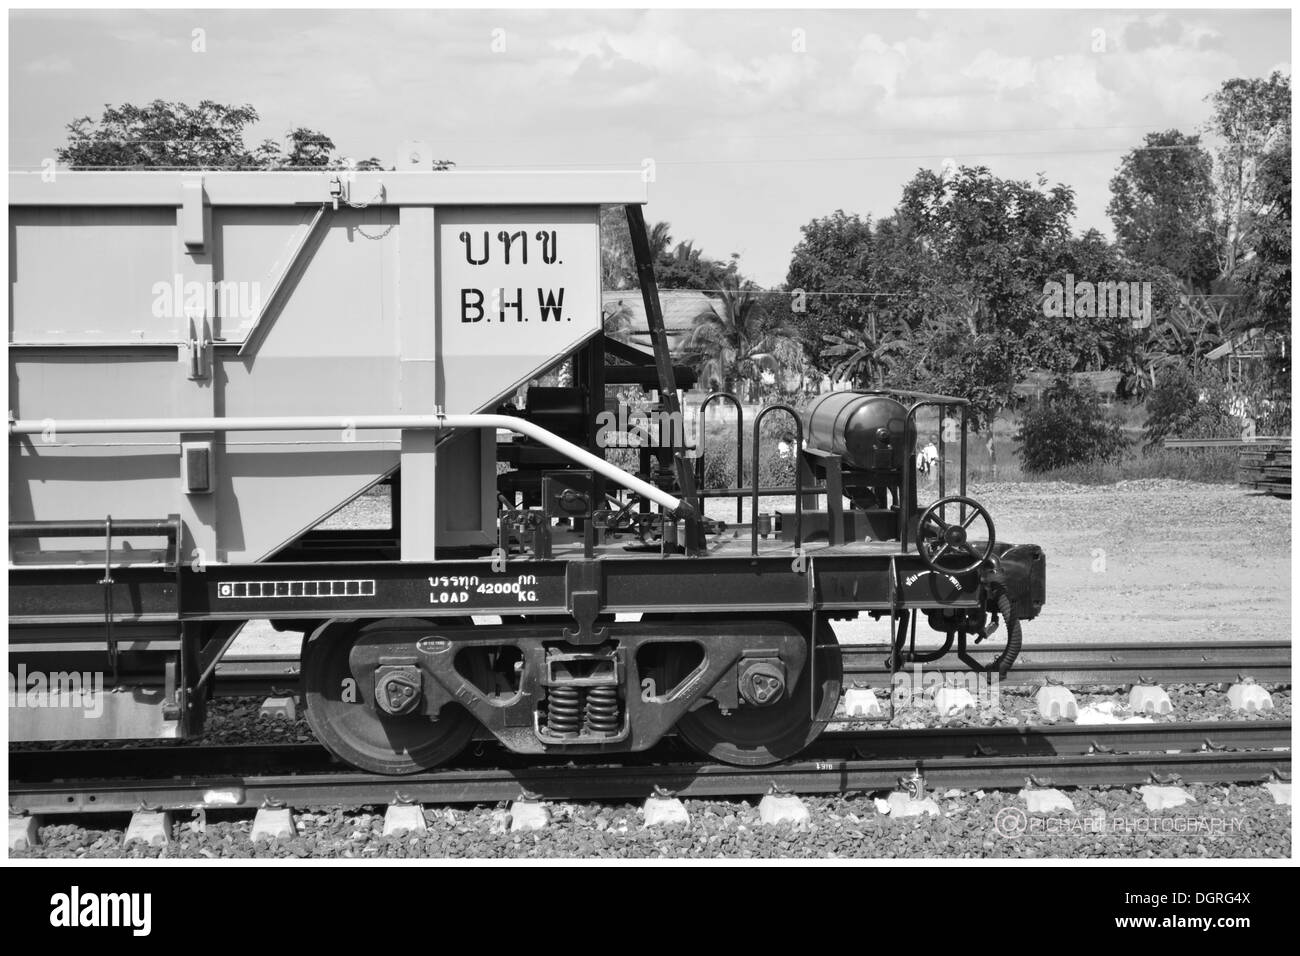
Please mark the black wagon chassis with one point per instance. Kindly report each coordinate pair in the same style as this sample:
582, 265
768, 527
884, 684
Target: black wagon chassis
575, 589
544, 604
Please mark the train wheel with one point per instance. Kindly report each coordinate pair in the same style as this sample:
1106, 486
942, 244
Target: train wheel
756, 736
342, 712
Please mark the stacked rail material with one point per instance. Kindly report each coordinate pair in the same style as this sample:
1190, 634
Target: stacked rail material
1265, 465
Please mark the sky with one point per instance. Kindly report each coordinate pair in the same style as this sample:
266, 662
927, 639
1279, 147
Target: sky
756, 121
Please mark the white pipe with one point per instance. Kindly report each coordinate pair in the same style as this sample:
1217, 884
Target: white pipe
93, 426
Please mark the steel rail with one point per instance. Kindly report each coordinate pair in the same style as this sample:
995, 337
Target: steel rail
610, 782
303, 775
880, 743
1114, 663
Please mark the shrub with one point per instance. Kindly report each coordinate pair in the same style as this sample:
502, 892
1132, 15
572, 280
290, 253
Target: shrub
773, 470
1185, 404
1068, 427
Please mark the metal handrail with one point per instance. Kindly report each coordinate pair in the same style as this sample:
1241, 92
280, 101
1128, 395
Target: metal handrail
740, 447
798, 475
909, 468
435, 422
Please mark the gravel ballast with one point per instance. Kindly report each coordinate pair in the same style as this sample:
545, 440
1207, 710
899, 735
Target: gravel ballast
1222, 822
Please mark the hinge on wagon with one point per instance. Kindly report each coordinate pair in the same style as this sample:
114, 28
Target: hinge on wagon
200, 346
338, 191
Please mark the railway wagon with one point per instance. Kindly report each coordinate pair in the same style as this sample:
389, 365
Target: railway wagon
205, 366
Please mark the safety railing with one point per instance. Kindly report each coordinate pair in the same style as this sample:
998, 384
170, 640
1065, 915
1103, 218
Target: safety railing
798, 475
701, 435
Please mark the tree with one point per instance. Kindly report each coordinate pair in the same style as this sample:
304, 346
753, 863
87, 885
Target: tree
311, 149
969, 253
865, 356
737, 340
1266, 272
1266, 277
617, 264
208, 136
161, 134
1162, 207
1251, 116
829, 283
686, 267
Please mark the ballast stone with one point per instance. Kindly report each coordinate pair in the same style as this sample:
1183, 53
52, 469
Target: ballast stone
24, 833
1150, 699
149, 826
1046, 801
953, 700
528, 815
861, 702
1057, 703
1164, 798
408, 817
271, 823
1249, 697
1281, 793
665, 811
777, 808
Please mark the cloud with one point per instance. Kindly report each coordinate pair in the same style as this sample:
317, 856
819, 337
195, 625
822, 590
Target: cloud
48, 65
752, 136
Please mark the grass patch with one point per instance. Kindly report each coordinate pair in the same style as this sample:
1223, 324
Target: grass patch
1215, 465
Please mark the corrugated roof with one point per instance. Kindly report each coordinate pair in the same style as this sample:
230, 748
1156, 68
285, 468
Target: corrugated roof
679, 306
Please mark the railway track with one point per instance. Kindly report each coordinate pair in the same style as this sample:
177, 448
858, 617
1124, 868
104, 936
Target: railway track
1268, 662
249, 776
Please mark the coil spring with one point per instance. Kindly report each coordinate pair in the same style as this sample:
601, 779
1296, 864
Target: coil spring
564, 710
602, 709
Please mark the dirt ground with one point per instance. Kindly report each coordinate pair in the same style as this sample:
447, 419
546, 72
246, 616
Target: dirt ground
1153, 559
1149, 559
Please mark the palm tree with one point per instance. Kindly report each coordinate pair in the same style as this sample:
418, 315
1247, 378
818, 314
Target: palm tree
737, 339
660, 240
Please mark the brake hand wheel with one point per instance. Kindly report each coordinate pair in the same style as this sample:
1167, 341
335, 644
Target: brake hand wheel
937, 539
